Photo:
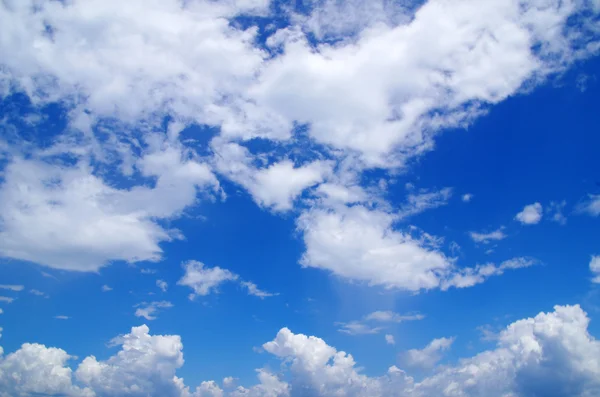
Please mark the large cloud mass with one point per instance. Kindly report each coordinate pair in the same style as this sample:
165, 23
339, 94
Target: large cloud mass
551, 354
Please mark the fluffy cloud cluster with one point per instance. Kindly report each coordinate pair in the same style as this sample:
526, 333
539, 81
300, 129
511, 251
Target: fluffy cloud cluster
551, 354
373, 93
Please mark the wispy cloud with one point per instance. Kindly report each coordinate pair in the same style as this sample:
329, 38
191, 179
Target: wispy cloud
485, 238
106, 288
148, 310
12, 287
424, 200
366, 325
162, 285
61, 317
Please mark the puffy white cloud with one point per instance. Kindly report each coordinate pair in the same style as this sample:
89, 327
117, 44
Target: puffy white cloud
595, 268
590, 206
531, 214
68, 218
162, 285
229, 381
424, 200
275, 186
145, 365
37, 370
148, 310
204, 280
551, 354
429, 356
485, 238
467, 197
389, 339
359, 243
12, 287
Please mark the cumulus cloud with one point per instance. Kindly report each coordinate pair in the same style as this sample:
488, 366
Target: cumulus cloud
531, 214
549, 354
389, 339
205, 280
148, 310
429, 356
485, 238
595, 268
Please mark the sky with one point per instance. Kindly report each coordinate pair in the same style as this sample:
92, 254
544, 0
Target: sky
266, 198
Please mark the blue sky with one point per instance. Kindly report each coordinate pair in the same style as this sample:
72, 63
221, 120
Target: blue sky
266, 186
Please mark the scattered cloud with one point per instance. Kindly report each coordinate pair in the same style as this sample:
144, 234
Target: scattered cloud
424, 200
148, 271
389, 339
365, 326
468, 277
488, 333
15, 288
589, 206
106, 288
467, 197
162, 285
1, 311
229, 381
61, 317
595, 268
255, 291
38, 293
148, 310
555, 210
6, 299
392, 317
206, 280
486, 238
531, 214
429, 356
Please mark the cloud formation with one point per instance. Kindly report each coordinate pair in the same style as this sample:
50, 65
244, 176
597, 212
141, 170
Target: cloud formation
531, 214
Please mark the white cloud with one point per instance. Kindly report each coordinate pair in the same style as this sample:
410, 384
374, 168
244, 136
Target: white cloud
360, 244
15, 288
430, 355
424, 200
467, 197
6, 299
531, 214
275, 186
148, 310
255, 291
485, 238
106, 288
389, 339
38, 293
555, 209
61, 317
590, 206
595, 268
148, 271
204, 280
229, 381
358, 328
389, 316
470, 276
162, 285
549, 354
69, 218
